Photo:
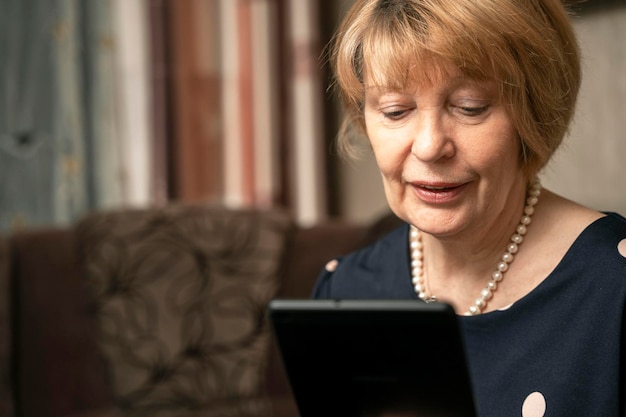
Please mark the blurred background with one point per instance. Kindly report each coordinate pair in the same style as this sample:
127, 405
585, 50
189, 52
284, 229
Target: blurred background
123, 103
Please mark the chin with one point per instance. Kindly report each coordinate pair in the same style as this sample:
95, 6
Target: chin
439, 223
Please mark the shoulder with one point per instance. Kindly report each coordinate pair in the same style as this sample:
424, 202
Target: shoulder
597, 240
605, 236
596, 261
378, 270
611, 221
561, 226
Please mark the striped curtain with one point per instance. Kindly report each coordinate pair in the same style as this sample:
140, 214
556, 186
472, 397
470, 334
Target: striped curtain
114, 103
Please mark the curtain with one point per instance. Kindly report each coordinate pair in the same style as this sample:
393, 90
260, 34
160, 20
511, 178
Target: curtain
74, 114
41, 130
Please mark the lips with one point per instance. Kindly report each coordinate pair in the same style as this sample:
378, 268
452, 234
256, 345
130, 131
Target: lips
437, 188
438, 193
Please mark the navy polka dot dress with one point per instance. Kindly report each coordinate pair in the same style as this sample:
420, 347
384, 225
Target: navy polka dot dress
558, 351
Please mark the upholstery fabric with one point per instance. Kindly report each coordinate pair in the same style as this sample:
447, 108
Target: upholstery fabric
180, 295
6, 403
58, 368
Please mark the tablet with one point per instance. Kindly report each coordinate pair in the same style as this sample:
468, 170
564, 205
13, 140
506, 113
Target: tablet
373, 358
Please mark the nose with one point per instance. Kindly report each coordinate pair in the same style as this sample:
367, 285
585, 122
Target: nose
432, 141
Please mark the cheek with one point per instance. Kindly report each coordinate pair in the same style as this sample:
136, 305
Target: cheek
389, 152
509, 149
502, 150
389, 158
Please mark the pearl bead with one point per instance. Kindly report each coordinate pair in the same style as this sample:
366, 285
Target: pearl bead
521, 229
508, 257
497, 276
529, 210
512, 248
525, 220
517, 238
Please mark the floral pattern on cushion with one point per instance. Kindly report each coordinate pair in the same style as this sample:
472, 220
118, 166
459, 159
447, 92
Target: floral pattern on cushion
180, 296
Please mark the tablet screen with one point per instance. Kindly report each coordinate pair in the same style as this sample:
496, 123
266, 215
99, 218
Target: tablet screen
373, 358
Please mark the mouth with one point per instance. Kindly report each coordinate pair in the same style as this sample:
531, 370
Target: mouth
437, 187
437, 193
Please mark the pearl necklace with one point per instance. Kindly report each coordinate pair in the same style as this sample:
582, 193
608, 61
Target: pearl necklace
417, 256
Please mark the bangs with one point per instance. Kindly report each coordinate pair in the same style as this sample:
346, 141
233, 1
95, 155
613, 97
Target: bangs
404, 49
395, 63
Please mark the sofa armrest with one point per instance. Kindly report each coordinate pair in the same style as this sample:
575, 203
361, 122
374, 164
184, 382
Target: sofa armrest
6, 389
311, 248
58, 368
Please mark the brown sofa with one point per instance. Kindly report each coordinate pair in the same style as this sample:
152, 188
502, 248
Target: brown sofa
156, 312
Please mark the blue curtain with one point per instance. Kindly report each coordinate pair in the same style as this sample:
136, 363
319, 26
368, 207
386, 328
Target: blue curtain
49, 107
104, 145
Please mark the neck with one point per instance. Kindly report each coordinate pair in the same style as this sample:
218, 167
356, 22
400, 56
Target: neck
474, 251
465, 266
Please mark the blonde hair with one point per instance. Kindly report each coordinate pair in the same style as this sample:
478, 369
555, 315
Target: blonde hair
528, 47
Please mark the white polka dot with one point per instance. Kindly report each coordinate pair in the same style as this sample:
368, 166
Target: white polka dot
332, 265
534, 405
621, 248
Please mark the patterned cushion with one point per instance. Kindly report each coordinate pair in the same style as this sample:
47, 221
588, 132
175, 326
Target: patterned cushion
180, 296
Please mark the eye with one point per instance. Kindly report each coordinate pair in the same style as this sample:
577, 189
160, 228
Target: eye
395, 113
473, 111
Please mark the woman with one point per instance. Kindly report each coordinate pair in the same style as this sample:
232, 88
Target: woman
463, 103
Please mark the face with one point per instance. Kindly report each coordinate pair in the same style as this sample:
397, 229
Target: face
448, 154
